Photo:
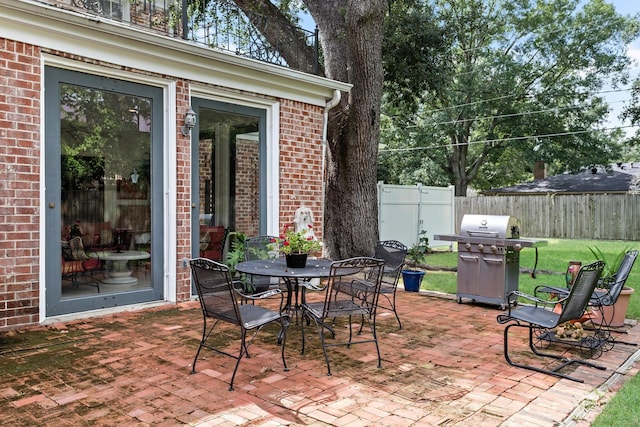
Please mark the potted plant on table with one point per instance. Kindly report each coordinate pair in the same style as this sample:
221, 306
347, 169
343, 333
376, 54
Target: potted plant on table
296, 245
412, 278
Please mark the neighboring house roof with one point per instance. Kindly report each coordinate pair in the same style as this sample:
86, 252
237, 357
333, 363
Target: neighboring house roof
622, 178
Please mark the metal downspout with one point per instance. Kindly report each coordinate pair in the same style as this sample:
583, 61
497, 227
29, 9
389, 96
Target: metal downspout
325, 121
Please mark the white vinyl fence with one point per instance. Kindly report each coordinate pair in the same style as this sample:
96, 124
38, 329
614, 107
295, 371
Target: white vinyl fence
405, 210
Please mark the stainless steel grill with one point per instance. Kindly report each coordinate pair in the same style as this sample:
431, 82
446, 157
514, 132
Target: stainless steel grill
489, 257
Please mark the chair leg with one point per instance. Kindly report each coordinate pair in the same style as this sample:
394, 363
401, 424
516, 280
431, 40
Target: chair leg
395, 311
565, 361
302, 322
203, 340
282, 340
243, 351
320, 328
605, 329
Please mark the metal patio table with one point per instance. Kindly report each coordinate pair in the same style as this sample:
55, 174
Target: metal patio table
277, 267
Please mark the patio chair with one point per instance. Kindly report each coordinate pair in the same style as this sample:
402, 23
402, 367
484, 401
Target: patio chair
393, 253
219, 302
364, 272
76, 264
606, 293
256, 248
212, 241
537, 318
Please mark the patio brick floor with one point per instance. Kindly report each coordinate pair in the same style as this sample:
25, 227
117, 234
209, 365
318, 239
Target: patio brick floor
444, 368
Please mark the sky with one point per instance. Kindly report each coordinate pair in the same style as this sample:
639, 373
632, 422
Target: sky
617, 100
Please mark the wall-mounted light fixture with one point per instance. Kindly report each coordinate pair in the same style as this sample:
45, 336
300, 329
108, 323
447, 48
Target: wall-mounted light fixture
134, 176
189, 122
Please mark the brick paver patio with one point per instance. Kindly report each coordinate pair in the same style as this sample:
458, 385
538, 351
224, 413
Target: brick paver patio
444, 368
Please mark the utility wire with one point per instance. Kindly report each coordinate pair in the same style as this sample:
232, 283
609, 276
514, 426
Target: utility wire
515, 138
511, 96
525, 113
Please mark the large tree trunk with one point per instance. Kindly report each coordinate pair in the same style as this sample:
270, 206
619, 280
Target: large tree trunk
351, 34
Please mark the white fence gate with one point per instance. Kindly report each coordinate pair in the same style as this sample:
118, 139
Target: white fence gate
405, 210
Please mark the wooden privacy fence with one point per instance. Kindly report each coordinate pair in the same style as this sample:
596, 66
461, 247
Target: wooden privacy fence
589, 216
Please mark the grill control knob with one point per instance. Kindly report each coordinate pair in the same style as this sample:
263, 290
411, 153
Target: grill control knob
467, 246
494, 248
517, 247
480, 247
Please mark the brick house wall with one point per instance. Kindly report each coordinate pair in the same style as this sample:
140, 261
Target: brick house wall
301, 157
19, 182
300, 172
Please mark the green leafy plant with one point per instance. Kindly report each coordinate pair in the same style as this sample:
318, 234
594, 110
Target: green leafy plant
418, 252
292, 242
236, 254
612, 262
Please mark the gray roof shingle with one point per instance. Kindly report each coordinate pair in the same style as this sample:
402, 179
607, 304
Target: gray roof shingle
620, 179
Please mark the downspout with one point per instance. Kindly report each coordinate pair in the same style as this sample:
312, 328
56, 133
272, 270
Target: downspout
325, 121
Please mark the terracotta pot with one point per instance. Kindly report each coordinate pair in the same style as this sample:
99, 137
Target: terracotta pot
614, 315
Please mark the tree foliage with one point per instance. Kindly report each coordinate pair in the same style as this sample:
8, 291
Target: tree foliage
519, 84
95, 122
632, 113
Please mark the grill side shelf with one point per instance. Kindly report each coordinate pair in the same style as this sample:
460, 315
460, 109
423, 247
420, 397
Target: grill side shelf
525, 243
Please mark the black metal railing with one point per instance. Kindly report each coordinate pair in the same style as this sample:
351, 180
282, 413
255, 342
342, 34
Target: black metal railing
218, 24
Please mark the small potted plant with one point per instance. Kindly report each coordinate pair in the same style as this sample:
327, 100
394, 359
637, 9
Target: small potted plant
296, 245
412, 277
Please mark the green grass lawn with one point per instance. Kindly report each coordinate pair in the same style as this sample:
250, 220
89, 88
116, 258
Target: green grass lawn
623, 409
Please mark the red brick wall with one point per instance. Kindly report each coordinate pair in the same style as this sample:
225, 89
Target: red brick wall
183, 194
19, 182
300, 161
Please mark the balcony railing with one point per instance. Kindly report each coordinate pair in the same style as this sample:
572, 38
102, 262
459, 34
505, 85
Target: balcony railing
218, 24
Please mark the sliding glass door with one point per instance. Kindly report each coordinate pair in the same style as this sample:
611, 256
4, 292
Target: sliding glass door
229, 169
103, 168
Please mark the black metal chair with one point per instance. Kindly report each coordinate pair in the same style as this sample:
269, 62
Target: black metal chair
605, 295
539, 319
366, 272
608, 289
393, 253
76, 263
256, 248
219, 302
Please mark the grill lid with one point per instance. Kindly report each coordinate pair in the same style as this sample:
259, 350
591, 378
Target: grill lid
490, 226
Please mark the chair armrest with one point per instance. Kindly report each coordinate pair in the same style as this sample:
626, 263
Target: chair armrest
549, 289
607, 282
262, 295
308, 285
533, 299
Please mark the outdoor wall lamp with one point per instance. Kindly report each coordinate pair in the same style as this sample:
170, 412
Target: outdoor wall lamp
189, 122
134, 176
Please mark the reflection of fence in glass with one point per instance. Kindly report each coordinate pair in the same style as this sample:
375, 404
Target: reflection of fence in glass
217, 24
